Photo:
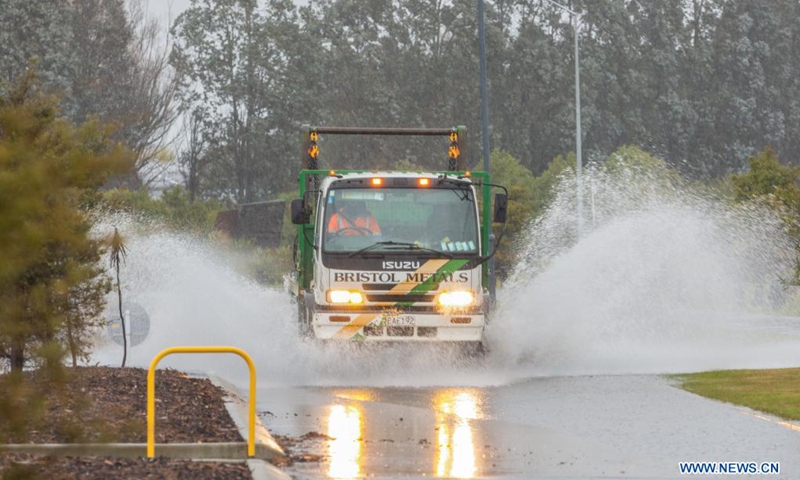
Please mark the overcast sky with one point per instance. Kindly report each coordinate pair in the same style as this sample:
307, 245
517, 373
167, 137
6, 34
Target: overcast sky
165, 10
170, 9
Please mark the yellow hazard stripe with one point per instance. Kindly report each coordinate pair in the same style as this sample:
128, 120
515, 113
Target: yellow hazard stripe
431, 266
354, 326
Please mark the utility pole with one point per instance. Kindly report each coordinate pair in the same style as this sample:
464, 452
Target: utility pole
485, 124
578, 140
484, 92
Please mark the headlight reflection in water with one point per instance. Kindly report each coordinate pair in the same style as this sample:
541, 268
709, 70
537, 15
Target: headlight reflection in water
344, 447
455, 456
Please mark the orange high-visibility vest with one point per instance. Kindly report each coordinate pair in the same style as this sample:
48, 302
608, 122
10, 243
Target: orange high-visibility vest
338, 222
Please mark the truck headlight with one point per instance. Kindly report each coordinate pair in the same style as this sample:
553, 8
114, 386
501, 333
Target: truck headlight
456, 299
352, 297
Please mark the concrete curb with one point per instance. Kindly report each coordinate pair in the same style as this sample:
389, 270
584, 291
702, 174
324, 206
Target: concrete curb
195, 451
236, 405
261, 470
231, 452
237, 409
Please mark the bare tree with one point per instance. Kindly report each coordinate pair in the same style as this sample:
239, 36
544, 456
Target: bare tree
151, 109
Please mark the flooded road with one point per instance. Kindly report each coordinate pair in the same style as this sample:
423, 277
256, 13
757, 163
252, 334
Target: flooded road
668, 282
585, 427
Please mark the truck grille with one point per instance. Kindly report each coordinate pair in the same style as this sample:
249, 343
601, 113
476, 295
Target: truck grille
378, 286
373, 331
392, 298
377, 331
400, 331
426, 332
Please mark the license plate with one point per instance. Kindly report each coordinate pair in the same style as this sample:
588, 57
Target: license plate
398, 320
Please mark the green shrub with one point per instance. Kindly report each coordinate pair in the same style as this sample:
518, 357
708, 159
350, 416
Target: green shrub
174, 209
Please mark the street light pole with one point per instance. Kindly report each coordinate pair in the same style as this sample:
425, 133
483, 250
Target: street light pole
576, 18
578, 139
484, 93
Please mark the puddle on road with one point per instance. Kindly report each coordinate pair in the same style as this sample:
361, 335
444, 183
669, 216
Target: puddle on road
365, 432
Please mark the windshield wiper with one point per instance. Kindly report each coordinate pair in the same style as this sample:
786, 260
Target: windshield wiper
369, 247
405, 245
414, 246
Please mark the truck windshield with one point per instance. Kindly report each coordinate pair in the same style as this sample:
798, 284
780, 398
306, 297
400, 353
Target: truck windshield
440, 219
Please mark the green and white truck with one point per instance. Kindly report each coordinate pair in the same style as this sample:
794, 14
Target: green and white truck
392, 256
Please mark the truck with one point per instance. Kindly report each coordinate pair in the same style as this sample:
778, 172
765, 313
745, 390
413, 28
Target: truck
394, 256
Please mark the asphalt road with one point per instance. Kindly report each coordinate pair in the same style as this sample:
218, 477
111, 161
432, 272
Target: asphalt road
538, 417
622, 426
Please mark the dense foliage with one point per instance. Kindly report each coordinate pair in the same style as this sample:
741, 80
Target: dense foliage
778, 185
703, 84
105, 59
528, 196
173, 209
52, 284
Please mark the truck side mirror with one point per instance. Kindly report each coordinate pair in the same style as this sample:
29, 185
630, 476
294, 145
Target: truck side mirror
299, 212
500, 208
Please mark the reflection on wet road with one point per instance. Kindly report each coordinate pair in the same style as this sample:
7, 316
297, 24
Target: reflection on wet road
344, 446
455, 446
453, 454
576, 427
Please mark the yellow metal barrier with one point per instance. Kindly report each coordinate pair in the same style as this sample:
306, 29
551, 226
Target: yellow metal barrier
151, 393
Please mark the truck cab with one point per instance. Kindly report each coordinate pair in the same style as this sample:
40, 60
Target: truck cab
392, 256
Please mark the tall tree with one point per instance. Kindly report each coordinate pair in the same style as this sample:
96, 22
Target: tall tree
703, 83
51, 284
228, 63
105, 58
39, 30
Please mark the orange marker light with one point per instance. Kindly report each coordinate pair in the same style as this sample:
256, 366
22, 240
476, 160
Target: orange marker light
377, 182
332, 173
424, 182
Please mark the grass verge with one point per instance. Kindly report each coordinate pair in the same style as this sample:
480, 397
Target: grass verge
775, 391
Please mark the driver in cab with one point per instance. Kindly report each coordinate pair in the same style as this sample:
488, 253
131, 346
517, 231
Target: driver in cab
353, 218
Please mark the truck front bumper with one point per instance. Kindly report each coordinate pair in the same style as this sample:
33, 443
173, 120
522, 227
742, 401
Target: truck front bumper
398, 327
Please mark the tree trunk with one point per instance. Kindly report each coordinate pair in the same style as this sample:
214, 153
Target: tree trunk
71, 342
122, 322
17, 356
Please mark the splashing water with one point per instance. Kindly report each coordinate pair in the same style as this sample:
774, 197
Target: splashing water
194, 296
664, 278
